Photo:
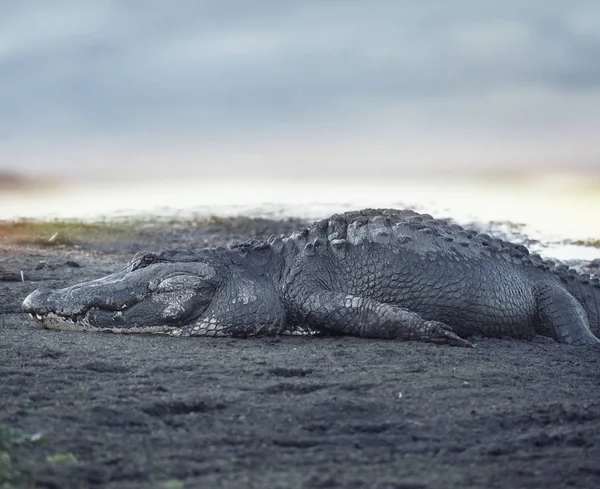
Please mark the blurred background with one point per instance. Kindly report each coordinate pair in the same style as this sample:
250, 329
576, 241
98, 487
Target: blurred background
223, 103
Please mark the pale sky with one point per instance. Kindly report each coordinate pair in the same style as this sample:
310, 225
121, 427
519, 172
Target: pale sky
297, 87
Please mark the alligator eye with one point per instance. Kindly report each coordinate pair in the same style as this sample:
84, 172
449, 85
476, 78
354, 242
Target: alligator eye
144, 259
181, 282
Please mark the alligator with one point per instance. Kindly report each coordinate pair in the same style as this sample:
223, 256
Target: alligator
377, 273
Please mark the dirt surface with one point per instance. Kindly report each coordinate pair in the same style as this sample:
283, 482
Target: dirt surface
104, 410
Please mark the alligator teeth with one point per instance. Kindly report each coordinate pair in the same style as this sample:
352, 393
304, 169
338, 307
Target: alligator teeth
39, 317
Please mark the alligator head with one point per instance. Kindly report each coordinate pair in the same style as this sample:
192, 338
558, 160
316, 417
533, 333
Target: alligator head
149, 295
210, 292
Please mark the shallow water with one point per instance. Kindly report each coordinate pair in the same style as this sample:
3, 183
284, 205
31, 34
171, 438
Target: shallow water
550, 211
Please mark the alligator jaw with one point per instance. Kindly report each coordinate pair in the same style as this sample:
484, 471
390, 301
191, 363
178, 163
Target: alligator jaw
51, 320
87, 318
57, 322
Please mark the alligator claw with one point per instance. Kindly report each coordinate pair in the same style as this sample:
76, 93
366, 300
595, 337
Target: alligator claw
442, 334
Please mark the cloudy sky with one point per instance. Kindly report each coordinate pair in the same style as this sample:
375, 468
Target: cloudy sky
297, 87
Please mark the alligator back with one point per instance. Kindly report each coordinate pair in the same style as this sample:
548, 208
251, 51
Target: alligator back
430, 238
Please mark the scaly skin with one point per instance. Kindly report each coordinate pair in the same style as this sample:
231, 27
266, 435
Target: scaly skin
372, 273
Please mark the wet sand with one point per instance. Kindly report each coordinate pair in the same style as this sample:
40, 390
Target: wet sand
288, 412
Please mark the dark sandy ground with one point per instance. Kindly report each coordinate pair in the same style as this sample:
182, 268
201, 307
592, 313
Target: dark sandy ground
84, 410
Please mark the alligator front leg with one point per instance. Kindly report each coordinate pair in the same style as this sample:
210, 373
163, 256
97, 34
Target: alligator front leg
359, 316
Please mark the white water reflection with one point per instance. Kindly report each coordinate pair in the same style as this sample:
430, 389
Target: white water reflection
551, 210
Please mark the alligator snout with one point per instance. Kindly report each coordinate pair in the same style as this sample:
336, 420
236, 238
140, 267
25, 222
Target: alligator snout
43, 302
40, 302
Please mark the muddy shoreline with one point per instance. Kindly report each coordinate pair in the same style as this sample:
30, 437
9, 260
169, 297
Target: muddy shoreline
102, 410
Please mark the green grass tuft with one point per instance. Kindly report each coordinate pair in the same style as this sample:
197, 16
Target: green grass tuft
57, 233
13, 443
173, 484
62, 459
